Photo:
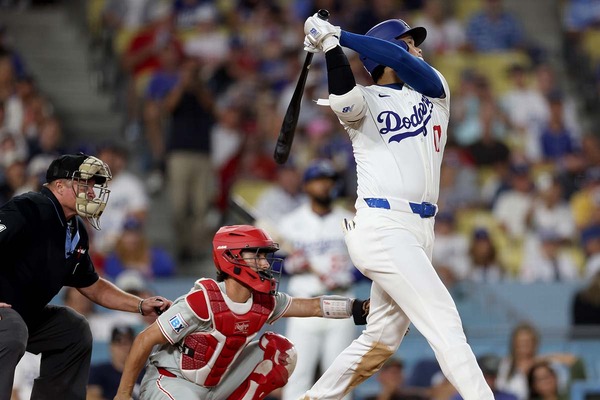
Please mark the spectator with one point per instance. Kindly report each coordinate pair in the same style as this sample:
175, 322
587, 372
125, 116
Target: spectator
514, 207
105, 377
585, 309
484, 265
133, 252
489, 364
459, 188
494, 29
209, 44
318, 264
283, 197
552, 212
142, 56
556, 140
128, 196
545, 261
189, 169
514, 369
526, 109
129, 15
392, 383
585, 202
543, 383
445, 34
451, 251
590, 241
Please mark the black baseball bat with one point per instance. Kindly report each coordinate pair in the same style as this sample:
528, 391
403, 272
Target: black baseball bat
290, 120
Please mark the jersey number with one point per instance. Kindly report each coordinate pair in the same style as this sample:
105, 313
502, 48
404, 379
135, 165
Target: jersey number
437, 137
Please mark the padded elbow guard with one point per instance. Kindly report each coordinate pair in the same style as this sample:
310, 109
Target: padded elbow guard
349, 107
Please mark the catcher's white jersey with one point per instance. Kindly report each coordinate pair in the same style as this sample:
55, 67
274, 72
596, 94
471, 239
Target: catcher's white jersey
399, 143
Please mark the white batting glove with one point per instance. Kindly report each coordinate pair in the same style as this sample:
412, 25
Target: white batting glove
309, 46
323, 35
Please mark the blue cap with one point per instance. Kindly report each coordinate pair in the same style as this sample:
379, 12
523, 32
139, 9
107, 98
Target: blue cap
481, 233
319, 169
589, 233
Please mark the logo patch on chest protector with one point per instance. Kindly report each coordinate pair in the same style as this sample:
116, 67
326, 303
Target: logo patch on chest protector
2, 227
178, 323
242, 326
409, 125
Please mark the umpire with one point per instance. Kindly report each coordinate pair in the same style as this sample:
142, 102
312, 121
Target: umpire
44, 246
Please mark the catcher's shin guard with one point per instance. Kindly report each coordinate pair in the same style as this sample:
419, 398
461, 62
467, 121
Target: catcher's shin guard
272, 372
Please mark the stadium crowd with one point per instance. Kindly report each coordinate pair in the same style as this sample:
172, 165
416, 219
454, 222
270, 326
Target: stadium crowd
204, 85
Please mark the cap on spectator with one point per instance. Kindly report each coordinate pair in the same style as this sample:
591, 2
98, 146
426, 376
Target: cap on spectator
489, 364
590, 233
481, 233
133, 224
66, 166
122, 333
131, 281
319, 169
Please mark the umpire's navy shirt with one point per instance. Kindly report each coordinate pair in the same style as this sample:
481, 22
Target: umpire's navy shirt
34, 264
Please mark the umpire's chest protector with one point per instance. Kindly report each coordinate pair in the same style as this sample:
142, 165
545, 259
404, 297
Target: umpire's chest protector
207, 356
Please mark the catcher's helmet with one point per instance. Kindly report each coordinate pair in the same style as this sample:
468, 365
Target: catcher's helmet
228, 244
391, 31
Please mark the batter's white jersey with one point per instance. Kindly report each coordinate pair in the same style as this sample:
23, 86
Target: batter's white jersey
399, 143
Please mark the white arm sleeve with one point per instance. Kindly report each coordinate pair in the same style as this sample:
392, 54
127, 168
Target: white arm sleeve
350, 107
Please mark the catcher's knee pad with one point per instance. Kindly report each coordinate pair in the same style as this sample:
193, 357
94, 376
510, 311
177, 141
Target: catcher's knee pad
272, 372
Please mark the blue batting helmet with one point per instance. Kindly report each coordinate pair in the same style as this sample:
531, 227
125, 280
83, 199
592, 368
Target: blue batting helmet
391, 31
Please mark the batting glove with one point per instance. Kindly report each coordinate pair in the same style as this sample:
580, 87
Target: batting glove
321, 33
309, 46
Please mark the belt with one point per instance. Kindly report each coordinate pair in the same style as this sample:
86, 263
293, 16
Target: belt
424, 209
165, 372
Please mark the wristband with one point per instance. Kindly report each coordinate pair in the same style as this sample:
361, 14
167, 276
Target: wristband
140, 307
336, 307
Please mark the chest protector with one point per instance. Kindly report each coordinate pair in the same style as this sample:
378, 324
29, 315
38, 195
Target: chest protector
207, 356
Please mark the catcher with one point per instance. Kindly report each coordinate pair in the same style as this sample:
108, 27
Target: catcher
205, 338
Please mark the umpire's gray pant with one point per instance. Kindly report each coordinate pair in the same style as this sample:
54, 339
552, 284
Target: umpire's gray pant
64, 339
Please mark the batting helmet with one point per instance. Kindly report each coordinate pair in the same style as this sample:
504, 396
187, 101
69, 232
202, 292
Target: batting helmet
391, 31
228, 244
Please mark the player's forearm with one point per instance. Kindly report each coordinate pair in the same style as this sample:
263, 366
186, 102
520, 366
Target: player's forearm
412, 70
140, 351
108, 295
302, 307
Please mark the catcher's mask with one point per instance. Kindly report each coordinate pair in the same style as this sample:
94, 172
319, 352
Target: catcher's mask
89, 176
260, 271
391, 31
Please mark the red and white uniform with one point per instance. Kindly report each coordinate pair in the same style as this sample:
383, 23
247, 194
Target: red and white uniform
210, 351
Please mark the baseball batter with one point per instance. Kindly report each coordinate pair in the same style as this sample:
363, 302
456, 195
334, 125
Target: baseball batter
206, 338
398, 132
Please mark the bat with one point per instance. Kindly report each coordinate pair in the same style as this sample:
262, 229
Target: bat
290, 120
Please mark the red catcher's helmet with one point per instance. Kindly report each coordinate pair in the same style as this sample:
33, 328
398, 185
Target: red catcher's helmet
228, 244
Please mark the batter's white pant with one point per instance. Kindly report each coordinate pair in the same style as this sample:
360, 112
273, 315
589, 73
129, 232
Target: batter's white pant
393, 248
318, 342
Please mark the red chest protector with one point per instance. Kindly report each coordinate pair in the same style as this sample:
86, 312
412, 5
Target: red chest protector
206, 356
